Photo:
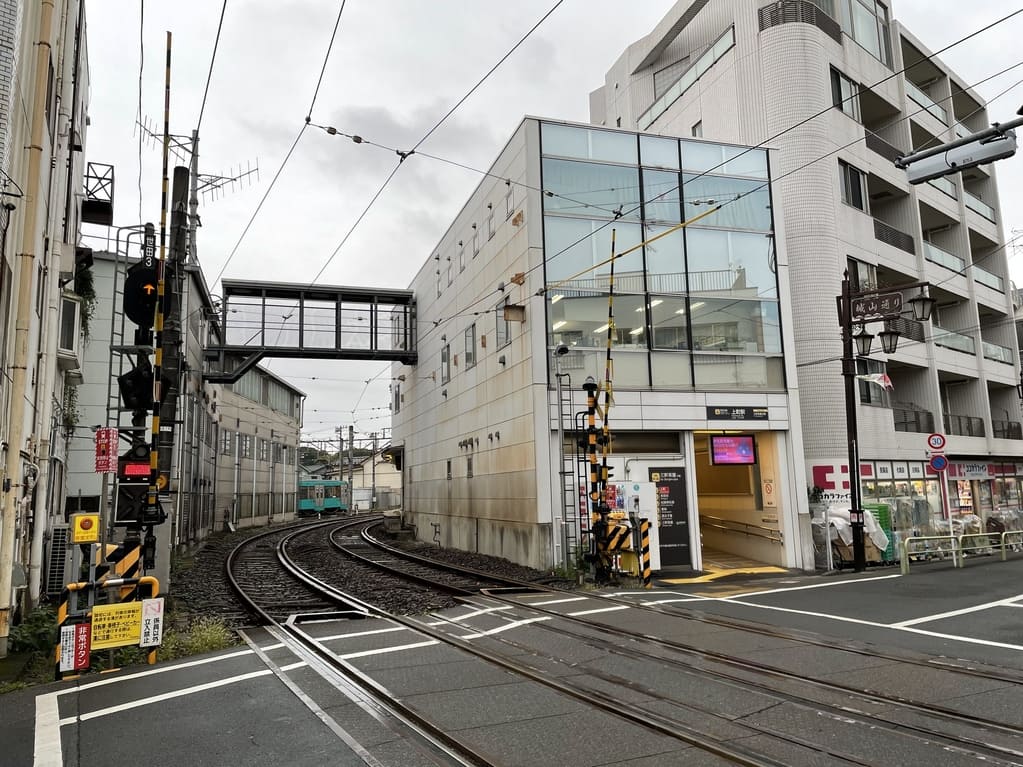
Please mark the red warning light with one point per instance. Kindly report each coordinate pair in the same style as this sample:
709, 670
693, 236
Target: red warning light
135, 469
85, 524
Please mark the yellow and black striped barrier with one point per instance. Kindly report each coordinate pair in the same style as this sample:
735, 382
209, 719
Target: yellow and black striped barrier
619, 538
644, 551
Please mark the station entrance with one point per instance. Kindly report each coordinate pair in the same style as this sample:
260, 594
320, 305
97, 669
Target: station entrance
737, 500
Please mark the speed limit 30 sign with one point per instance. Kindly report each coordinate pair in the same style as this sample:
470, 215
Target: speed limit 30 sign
936, 441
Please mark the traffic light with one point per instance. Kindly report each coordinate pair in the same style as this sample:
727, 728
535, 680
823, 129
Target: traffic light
140, 292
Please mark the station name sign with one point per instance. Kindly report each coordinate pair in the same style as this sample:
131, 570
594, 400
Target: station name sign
737, 413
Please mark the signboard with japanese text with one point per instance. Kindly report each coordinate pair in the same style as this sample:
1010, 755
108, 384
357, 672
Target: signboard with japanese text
672, 514
106, 450
116, 625
737, 413
152, 622
880, 305
75, 647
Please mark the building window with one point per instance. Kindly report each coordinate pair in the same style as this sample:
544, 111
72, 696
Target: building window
854, 190
264, 450
503, 326
226, 442
468, 467
438, 286
449, 469
845, 94
509, 203
461, 257
698, 130
396, 407
445, 364
246, 445
475, 242
470, 346
491, 229
451, 272
862, 276
871, 392
866, 22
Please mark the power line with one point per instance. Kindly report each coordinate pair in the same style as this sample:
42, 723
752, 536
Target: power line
138, 115
213, 58
403, 155
287, 157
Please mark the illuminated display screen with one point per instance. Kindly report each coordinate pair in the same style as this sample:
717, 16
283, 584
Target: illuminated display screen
733, 449
135, 470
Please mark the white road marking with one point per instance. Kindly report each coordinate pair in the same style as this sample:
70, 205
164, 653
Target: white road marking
293, 666
811, 586
47, 749
505, 627
600, 610
158, 670
130, 705
382, 650
669, 601
893, 627
954, 613
558, 601
361, 634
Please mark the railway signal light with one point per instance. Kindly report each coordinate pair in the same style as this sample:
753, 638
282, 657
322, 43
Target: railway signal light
136, 386
133, 475
140, 292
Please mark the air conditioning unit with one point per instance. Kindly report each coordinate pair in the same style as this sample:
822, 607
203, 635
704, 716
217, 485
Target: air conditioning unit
69, 333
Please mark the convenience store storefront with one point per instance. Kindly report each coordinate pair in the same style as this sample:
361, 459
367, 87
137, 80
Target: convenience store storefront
983, 496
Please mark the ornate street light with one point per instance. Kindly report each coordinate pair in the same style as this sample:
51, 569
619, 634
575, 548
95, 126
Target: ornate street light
889, 339
922, 306
863, 340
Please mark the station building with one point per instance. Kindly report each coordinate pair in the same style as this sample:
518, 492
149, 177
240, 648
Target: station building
705, 406
838, 89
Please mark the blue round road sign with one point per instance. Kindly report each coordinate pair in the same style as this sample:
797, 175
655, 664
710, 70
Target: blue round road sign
938, 463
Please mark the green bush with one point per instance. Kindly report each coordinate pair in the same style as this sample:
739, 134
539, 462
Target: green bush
38, 632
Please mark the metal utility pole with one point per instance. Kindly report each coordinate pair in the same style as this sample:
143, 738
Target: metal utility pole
373, 461
351, 457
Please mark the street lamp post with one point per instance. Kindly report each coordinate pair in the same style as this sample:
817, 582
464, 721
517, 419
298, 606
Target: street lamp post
862, 307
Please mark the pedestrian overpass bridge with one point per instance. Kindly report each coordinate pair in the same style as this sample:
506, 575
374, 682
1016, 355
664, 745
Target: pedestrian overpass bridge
295, 320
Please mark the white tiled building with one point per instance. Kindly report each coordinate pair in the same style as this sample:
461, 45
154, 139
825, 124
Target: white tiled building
821, 84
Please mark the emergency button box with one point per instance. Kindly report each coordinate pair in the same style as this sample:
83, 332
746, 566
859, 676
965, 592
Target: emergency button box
85, 528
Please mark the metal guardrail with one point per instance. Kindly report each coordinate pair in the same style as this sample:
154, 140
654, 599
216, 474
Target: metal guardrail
985, 541
755, 530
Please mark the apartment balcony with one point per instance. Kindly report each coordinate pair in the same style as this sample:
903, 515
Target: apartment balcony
919, 97
908, 419
1006, 430
996, 352
980, 207
949, 339
945, 185
876, 144
988, 279
964, 425
889, 234
942, 257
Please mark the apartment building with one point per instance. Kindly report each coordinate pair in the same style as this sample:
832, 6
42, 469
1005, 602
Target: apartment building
838, 89
515, 311
44, 91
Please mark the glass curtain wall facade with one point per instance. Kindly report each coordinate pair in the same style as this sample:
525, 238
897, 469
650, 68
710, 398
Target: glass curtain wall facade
693, 308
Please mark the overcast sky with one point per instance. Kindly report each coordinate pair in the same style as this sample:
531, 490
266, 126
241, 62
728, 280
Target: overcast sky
396, 68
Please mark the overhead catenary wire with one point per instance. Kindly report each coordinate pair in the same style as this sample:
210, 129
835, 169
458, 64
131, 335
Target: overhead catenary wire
213, 58
291, 151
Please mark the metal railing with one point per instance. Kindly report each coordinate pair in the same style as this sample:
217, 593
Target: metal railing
949, 339
985, 542
743, 528
802, 11
1007, 429
977, 205
942, 257
915, 421
964, 425
984, 277
889, 234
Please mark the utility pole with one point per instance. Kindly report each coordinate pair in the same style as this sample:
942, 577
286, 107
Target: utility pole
351, 456
373, 462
